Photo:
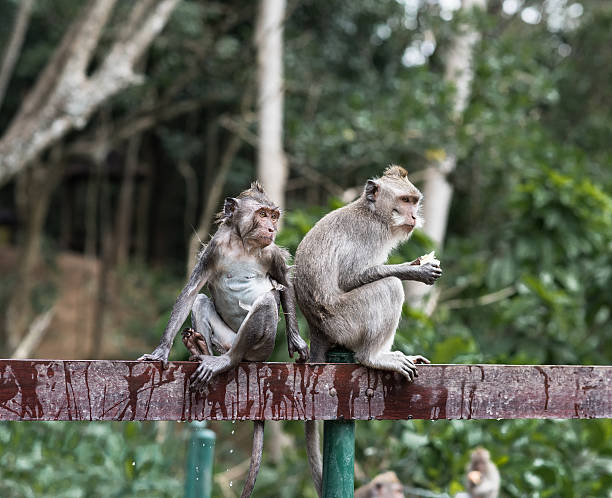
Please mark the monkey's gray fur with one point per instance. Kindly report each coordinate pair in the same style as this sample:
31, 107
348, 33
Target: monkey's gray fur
347, 294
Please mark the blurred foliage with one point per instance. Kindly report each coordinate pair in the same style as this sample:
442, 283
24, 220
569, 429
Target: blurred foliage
79, 459
528, 252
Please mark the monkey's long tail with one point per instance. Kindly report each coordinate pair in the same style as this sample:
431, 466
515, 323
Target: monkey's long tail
256, 452
313, 450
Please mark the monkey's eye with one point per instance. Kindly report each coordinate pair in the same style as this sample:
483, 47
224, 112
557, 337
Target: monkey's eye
409, 199
274, 216
262, 214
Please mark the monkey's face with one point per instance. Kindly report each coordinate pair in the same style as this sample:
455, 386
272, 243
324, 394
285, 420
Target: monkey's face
479, 459
405, 209
259, 224
187, 333
396, 200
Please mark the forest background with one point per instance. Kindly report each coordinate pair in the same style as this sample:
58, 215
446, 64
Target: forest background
124, 124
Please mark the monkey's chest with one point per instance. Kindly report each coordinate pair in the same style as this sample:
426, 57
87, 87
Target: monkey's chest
235, 290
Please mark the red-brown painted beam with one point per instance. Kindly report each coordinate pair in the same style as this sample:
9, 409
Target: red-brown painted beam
127, 390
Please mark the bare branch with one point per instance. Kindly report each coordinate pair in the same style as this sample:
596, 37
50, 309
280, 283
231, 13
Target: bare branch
484, 300
64, 98
35, 334
14, 45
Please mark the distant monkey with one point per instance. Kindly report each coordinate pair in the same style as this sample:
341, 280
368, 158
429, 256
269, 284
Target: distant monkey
347, 293
195, 343
482, 480
386, 485
247, 275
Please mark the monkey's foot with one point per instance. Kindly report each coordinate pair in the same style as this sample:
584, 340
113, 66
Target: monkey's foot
209, 367
158, 354
395, 361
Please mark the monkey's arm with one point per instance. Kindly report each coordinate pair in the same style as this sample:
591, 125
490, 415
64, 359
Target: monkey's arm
280, 272
427, 273
182, 306
294, 339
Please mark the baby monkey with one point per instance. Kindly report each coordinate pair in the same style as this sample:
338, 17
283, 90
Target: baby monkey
247, 276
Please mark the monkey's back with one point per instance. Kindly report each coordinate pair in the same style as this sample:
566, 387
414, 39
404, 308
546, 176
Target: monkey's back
334, 251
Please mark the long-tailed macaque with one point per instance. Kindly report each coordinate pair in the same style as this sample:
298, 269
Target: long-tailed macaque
482, 480
386, 485
347, 293
247, 275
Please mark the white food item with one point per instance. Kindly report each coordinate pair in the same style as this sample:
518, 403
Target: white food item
429, 258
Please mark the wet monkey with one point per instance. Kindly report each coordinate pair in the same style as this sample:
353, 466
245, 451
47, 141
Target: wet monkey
347, 293
247, 276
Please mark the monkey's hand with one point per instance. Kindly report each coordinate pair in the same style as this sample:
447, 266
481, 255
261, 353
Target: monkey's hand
427, 273
297, 344
160, 353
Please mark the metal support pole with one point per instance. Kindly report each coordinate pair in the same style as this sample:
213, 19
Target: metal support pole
339, 446
200, 458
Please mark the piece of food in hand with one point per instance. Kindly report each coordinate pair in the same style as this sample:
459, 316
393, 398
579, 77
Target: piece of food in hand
474, 476
427, 258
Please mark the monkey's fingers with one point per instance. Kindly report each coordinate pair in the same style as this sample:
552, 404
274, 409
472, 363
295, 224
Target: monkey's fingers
409, 373
406, 367
302, 349
200, 377
418, 359
430, 273
154, 357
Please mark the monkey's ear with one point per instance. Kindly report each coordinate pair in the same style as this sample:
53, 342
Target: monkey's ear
229, 206
371, 190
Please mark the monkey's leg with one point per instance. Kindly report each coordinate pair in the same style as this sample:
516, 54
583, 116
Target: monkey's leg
365, 320
207, 322
254, 341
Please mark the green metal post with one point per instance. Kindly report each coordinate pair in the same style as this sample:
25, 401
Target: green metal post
200, 457
339, 445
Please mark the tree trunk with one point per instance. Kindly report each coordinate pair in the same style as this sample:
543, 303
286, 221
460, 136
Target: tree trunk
91, 210
65, 95
125, 206
213, 200
142, 213
272, 168
438, 192
13, 49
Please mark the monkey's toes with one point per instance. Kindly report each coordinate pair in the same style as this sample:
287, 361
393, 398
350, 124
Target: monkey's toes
418, 359
154, 357
199, 380
408, 373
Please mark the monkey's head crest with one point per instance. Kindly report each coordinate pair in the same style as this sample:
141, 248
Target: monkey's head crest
395, 170
255, 192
